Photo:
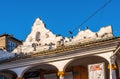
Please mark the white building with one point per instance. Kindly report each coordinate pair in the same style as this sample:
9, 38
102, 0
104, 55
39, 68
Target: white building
41, 39
88, 55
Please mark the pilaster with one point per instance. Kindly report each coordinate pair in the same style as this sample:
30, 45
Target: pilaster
41, 74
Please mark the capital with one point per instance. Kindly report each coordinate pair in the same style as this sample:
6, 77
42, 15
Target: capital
61, 73
113, 66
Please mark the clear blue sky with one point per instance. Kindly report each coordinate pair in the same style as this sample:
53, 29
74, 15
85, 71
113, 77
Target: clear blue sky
60, 16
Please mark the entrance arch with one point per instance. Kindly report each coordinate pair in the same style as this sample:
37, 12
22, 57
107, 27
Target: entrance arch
41, 71
78, 67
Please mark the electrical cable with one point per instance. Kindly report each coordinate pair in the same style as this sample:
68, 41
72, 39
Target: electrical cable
86, 20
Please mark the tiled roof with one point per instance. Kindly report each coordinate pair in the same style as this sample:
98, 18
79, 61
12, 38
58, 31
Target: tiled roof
64, 48
11, 37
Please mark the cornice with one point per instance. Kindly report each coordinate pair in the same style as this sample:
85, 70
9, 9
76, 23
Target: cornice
85, 51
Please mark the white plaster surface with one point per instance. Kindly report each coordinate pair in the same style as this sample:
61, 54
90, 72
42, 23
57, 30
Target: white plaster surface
58, 64
41, 39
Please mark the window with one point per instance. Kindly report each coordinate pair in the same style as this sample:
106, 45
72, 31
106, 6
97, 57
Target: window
37, 36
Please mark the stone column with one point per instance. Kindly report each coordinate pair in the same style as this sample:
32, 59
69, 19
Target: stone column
42, 75
61, 74
112, 67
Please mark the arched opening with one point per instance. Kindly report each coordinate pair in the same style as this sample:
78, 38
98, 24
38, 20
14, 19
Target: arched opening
44, 71
79, 67
37, 38
7, 74
2, 77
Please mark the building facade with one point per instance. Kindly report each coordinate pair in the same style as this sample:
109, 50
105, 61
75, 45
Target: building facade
8, 42
44, 55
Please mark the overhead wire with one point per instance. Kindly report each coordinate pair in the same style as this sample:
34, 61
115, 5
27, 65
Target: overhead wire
86, 20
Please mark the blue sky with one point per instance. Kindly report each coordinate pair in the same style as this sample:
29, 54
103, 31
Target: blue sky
60, 16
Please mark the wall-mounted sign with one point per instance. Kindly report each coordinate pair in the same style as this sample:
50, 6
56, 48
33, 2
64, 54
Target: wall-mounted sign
96, 71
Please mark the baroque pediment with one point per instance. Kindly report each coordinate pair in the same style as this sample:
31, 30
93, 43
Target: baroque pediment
41, 38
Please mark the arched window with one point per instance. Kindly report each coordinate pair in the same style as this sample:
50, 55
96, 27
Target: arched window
37, 36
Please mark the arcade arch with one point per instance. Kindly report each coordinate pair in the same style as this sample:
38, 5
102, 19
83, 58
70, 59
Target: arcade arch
78, 67
40, 71
7, 74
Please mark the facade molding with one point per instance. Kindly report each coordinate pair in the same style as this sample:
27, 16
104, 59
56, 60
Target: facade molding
60, 56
